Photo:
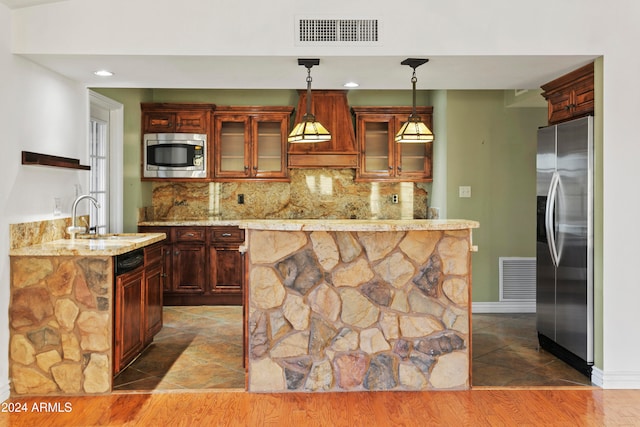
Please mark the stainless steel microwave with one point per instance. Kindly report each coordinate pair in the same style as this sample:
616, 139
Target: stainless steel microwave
175, 155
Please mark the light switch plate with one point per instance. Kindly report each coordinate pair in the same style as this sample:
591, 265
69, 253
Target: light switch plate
464, 191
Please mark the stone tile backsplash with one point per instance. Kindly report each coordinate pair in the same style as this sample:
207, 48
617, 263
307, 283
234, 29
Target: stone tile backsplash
311, 193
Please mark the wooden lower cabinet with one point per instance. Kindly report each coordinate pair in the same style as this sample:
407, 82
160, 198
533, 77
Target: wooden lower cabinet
201, 265
129, 318
153, 292
138, 308
226, 265
188, 268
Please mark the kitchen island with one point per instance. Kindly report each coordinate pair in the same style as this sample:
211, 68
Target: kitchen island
353, 305
63, 315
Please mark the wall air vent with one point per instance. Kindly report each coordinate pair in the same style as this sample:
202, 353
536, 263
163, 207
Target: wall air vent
517, 278
337, 31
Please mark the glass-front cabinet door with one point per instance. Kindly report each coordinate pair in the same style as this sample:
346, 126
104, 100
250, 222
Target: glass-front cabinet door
376, 146
413, 161
380, 157
232, 134
270, 146
250, 143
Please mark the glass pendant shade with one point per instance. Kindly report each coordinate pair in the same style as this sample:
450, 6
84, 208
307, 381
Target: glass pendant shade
414, 131
309, 130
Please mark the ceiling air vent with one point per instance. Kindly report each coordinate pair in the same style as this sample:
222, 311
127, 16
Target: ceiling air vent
337, 31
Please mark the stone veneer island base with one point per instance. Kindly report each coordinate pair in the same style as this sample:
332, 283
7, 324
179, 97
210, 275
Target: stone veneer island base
341, 305
61, 313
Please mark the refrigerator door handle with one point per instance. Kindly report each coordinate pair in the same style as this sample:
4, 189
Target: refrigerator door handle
549, 213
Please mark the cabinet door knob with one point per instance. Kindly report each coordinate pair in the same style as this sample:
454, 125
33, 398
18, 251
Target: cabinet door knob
399, 168
176, 253
246, 168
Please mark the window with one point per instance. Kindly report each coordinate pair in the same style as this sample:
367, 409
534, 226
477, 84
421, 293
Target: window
99, 179
105, 139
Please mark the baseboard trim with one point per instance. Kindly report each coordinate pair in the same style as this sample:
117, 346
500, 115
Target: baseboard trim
597, 376
616, 380
5, 392
504, 307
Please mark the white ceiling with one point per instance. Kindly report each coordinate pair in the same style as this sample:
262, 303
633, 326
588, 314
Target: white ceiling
283, 72
16, 4
280, 72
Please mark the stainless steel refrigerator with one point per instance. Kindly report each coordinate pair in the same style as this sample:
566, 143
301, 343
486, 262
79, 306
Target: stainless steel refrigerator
564, 254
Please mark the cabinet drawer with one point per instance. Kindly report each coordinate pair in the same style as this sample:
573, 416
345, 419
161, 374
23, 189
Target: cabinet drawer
153, 254
226, 234
184, 234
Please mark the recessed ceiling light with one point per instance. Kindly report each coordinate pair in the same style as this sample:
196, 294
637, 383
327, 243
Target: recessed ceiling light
351, 84
103, 73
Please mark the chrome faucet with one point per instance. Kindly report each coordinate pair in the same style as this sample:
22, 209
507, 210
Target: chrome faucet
75, 229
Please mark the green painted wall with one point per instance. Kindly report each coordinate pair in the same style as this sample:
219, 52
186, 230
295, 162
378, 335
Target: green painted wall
492, 148
479, 142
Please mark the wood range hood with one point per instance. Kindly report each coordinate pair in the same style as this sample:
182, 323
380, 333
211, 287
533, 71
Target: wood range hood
331, 108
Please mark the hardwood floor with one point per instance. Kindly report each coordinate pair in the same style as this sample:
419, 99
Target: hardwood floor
503, 354
478, 407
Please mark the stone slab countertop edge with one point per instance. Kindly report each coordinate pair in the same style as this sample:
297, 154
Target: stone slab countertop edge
89, 247
328, 224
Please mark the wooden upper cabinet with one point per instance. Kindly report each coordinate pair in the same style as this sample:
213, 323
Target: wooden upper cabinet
250, 143
176, 118
383, 159
331, 108
570, 96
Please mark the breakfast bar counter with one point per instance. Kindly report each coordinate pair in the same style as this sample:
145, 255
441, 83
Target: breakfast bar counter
355, 305
67, 305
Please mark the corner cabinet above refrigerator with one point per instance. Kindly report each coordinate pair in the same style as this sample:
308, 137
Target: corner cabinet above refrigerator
564, 254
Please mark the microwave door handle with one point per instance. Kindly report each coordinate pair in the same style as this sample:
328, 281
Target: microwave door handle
549, 214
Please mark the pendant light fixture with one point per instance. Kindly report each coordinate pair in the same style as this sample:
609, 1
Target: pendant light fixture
414, 130
309, 130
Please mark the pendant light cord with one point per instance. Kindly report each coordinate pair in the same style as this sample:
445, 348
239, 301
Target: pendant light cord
414, 80
309, 79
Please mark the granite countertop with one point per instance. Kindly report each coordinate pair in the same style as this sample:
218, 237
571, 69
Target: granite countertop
360, 224
328, 224
194, 223
108, 245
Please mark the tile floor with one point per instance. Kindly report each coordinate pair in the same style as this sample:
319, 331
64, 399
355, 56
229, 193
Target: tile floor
200, 347
505, 353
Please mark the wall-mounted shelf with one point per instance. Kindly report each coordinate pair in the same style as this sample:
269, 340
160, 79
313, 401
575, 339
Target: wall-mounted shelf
30, 158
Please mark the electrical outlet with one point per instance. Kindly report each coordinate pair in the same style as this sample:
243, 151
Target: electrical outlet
464, 191
241, 199
394, 198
